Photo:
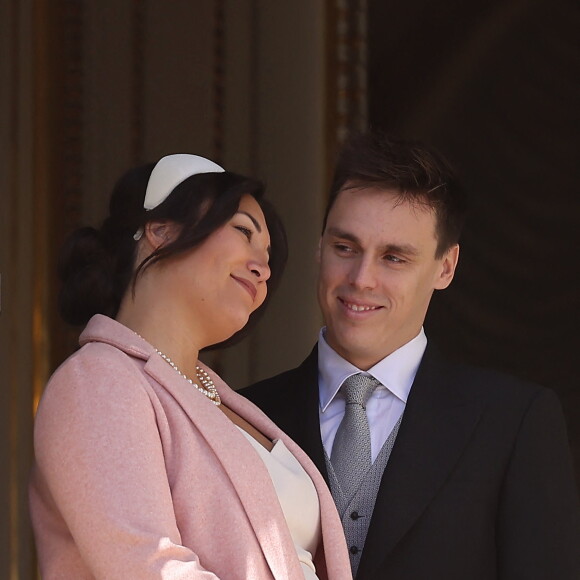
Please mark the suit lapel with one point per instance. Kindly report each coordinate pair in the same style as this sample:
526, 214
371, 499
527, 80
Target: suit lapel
306, 430
437, 424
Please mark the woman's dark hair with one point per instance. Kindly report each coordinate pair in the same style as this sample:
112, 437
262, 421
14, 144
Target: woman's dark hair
97, 267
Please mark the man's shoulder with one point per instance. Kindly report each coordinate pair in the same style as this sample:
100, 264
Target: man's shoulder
291, 382
281, 379
288, 396
483, 383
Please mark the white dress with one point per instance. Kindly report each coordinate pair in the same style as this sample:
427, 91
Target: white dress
298, 499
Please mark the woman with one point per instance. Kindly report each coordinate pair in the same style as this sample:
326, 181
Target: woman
147, 464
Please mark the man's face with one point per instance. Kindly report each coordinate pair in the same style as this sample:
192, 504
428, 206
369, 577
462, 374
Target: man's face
377, 273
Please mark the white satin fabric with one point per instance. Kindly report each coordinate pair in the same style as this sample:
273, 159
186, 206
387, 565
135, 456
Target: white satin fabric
298, 499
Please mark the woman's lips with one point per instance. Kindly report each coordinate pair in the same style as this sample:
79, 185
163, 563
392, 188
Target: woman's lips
252, 291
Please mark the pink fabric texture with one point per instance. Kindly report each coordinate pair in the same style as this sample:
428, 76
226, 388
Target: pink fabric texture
139, 476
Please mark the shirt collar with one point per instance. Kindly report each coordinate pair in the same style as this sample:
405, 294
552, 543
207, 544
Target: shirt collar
396, 372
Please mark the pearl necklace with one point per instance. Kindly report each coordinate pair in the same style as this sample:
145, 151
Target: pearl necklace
208, 389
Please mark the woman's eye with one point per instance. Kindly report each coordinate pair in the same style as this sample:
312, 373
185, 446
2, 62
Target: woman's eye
246, 231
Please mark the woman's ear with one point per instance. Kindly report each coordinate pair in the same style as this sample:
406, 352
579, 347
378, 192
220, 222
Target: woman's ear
159, 234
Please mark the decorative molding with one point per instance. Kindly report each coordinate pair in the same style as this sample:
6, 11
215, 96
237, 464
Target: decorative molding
351, 55
347, 93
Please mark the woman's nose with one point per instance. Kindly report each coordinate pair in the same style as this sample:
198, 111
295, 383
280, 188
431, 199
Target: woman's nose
260, 269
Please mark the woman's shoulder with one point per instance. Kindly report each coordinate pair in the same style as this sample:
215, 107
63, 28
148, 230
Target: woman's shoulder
93, 360
96, 372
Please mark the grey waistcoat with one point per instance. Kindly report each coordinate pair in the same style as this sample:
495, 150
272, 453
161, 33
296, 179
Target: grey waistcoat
356, 512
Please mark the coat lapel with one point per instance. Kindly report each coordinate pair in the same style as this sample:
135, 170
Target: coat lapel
259, 501
333, 542
291, 399
438, 422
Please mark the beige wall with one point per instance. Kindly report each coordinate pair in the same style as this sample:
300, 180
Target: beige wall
268, 120
286, 137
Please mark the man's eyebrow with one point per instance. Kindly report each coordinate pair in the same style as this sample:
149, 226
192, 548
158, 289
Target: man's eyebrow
338, 233
406, 249
254, 220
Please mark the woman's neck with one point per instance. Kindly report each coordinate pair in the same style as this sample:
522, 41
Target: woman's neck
167, 331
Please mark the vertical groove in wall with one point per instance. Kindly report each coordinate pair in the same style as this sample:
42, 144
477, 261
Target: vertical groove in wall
253, 339
254, 88
218, 81
42, 183
66, 203
14, 486
217, 99
331, 76
138, 82
72, 113
360, 65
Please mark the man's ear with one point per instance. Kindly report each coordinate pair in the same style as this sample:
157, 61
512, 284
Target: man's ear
448, 266
319, 250
160, 233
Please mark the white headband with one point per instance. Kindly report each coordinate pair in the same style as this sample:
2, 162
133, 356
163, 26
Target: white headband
168, 173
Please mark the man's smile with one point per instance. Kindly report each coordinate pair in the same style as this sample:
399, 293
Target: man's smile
358, 306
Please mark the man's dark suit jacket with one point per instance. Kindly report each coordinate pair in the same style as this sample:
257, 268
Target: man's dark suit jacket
479, 485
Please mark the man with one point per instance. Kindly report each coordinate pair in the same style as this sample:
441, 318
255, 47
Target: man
440, 471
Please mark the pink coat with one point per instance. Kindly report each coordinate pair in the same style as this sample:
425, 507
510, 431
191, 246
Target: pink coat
139, 476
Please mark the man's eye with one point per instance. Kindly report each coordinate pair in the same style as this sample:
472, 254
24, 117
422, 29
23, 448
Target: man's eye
342, 248
246, 231
394, 259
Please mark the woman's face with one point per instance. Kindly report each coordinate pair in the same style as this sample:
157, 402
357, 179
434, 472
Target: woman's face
224, 280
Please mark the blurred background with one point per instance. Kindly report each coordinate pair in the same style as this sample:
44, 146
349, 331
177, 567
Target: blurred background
271, 89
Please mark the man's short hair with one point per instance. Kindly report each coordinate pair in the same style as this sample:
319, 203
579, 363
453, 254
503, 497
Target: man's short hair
416, 173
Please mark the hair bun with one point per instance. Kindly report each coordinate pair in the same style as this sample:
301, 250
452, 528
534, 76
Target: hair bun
86, 270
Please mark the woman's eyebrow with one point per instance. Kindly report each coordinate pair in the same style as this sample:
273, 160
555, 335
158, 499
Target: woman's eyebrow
254, 220
257, 226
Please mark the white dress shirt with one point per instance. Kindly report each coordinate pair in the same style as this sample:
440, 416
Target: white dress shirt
396, 374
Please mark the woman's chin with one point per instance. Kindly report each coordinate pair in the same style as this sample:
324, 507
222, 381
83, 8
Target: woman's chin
232, 328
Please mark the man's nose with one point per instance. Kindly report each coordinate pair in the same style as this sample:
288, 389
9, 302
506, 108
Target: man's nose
363, 273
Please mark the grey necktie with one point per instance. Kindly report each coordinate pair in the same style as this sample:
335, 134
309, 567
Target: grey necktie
351, 450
